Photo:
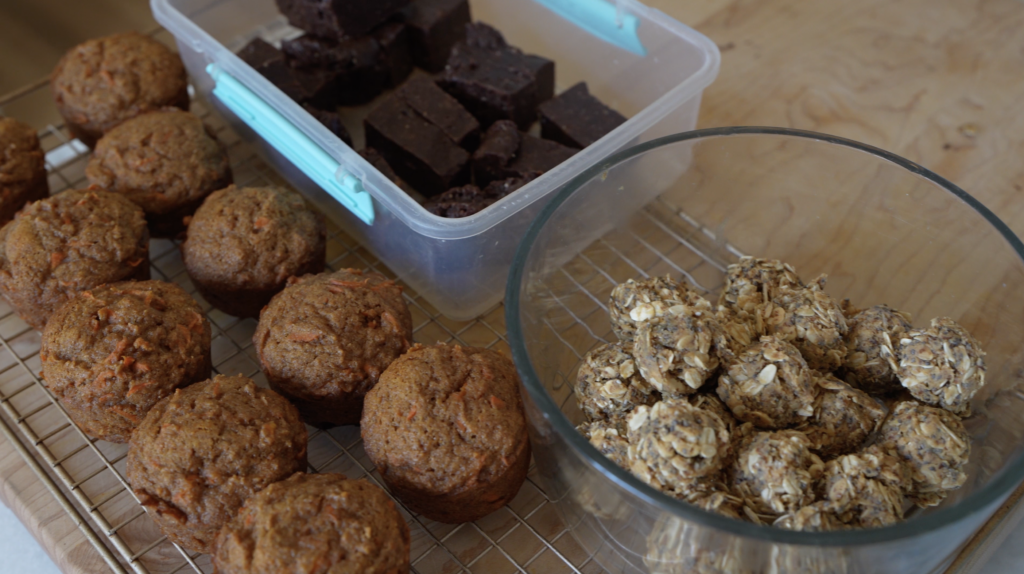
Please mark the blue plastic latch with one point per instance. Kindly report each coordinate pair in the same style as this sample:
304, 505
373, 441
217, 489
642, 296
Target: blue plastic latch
602, 19
309, 157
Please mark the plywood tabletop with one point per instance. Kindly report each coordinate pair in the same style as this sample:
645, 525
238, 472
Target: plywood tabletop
939, 82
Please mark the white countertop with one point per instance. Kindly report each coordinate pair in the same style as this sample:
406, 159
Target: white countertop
21, 553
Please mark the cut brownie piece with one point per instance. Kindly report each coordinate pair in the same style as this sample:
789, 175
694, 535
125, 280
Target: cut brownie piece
544, 71
396, 57
576, 118
316, 87
436, 26
492, 79
442, 110
332, 121
499, 189
537, 156
419, 151
380, 164
355, 63
470, 199
339, 19
497, 150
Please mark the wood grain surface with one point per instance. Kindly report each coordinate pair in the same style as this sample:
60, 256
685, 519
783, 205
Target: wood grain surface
940, 82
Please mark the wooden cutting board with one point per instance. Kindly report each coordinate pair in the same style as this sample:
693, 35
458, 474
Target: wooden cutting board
940, 82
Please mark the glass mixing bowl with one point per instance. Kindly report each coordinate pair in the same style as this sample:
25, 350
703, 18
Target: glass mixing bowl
884, 229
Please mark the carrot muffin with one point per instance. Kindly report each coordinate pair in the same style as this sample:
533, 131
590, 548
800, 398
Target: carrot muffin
68, 243
317, 524
325, 340
111, 353
201, 452
105, 81
22, 168
244, 244
445, 428
166, 161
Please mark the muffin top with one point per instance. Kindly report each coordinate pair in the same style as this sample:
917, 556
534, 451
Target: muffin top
333, 333
202, 451
21, 159
122, 347
315, 523
104, 81
444, 418
73, 241
252, 236
160, 160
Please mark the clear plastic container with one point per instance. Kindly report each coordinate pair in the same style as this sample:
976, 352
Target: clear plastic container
460, 265
884, 230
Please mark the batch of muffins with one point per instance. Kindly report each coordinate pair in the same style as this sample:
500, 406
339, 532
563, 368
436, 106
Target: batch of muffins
455, 138
220, 463
781, 405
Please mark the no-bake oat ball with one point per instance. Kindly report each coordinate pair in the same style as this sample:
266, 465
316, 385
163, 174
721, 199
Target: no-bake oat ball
674, 350
608, 384
934, 445
635, 301
843, 417
815, 517
865, 489
769, 385
812, 321
870, 363
753, 282
774, 472
675, 445
112, 352
942, 365
608, 439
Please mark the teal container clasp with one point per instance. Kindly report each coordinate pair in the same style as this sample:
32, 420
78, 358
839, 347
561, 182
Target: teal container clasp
602, 19
290, 142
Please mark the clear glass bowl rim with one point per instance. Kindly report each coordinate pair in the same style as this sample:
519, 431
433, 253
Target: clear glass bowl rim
1004, 482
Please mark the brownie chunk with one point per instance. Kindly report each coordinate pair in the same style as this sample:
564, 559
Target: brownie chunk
201, 452
67, 243
497, 150
436, 26
544, 71
317, 87
22, 168
166, 162
360, 67
324, 341
446, 429
244, 244
396, 58
380, 164
576, 118
493, 80
102, 82
317, 523
470, 199
339, 19
112, 352
442, 110
420, 152
330, 120
537, 156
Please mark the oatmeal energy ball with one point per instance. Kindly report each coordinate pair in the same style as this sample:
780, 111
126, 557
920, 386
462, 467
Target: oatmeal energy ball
674, 445
769, 385
608, 385
870, 362
942, 365
816, 517
866, 489
935, 446
635, 301
674, 349
753, 282
608, 440
774, 472
843, 417
812, 321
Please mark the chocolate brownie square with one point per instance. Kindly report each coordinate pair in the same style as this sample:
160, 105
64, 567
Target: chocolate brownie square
396, 58
544, 71
420, 152
339, 19
497, 150
355, 63
576, 118
436, 26
319, 88
442, 110
493, 80
380, 164
537, 156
